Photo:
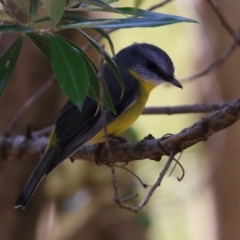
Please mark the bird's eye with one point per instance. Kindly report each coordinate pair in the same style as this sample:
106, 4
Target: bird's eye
152, 65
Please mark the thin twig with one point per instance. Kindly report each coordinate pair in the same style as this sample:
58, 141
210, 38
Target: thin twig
43, 132
125, 199
215, 7
218, 62
152, 189
180, 165
161, 4
228, 52
134, 174
183, 109
28, 104
9, 12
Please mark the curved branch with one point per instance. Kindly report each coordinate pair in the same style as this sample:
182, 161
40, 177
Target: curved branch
153, 149
183, 109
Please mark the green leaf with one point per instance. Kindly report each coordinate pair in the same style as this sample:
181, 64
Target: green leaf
100, 4
87, 24
55, 9
143, 19
34, 7
76, 17
23, 6
93, 78
144, 13
145, 22
106, 35
108, 59
109, 1
41, 42
70, 70
5, 28
8, 61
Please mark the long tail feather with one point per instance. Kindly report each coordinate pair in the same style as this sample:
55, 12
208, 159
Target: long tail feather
36, 177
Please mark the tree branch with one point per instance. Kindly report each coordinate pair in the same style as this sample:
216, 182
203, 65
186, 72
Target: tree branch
156, 148
195, 108
219, 61
20, 146
216, 9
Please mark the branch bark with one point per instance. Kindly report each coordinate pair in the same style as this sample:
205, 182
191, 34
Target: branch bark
21, 146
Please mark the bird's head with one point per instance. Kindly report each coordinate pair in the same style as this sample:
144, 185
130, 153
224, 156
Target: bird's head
148, 63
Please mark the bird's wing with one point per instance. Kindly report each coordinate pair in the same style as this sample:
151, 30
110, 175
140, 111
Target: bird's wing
75, 127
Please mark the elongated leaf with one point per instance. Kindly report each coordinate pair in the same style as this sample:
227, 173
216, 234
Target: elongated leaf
144, 13
55, 9
70, 70
145, 22
108, 59
4, 28
94, 83
100, 4
41, 42
109, 1
106, 35
8, 61
87, 24
34, 7
146, 19
140, 12
24, 6
76, 17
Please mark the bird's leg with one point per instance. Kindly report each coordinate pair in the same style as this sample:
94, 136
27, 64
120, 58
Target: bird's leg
97, 152
113, 139
120, 139
150, 137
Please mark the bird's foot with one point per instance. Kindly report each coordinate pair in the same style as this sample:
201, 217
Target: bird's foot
165, 136
119, 139
97, 152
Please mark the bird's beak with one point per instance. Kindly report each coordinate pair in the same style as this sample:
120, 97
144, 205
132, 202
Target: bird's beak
175, 82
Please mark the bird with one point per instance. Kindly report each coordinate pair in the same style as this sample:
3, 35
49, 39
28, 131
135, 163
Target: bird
142, 66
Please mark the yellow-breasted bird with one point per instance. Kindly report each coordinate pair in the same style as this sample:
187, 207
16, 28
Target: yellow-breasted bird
143, 67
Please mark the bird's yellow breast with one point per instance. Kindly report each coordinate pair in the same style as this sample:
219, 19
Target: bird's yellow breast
130, 115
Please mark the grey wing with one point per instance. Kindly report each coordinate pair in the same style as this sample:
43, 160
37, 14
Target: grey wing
75, 127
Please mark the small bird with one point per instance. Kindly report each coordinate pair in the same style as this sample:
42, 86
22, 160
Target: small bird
143, 67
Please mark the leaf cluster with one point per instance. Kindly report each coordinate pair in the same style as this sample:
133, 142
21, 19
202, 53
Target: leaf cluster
75, 72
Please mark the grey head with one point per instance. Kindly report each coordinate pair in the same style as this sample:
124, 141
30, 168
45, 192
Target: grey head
149, 62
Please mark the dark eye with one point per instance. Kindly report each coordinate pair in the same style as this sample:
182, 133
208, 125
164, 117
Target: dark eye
152, 65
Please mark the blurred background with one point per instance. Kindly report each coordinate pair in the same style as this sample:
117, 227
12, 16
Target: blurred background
76, 200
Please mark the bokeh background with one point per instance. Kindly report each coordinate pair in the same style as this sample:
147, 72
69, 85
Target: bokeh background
76, 200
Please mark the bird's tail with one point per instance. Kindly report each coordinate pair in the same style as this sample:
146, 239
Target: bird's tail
36, 177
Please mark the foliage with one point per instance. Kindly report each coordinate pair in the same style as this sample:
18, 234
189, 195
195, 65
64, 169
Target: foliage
75, 72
